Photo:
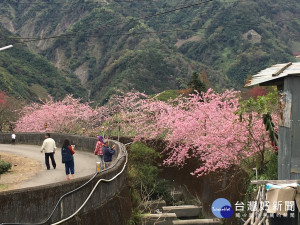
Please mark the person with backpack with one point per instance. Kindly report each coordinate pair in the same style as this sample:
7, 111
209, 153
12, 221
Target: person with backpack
67, 153
98, 151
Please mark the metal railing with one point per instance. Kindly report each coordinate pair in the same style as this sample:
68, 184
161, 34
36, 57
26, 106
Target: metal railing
124, 154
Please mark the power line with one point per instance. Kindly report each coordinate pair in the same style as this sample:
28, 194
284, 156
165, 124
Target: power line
75, 34
130, 1
43, 10
159, 14
85, 2
39, 3
58, 3
71, 34
107, 25
162, 13
26, 40
106, 3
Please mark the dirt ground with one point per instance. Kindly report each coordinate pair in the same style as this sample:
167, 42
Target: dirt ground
22, 169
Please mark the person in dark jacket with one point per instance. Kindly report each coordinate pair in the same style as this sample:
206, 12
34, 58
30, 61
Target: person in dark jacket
108, 153
67, 152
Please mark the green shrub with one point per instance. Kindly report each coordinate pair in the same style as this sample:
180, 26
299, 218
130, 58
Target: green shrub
142, 174
135, 218
271, 169
142, 169
4, 166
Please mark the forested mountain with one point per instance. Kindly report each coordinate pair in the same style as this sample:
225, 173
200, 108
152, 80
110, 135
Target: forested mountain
155, 45
30, 76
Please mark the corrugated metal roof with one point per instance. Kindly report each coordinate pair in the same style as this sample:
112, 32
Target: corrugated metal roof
274, 72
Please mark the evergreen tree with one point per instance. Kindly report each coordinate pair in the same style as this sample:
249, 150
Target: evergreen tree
196, 84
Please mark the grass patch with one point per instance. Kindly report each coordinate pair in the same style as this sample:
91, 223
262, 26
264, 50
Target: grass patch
3, 187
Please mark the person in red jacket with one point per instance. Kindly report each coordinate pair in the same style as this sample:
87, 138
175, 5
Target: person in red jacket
98, 151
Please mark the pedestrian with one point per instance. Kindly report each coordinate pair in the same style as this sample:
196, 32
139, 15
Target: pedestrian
67, 152
98, 151
13, 138
49, 148
108, 153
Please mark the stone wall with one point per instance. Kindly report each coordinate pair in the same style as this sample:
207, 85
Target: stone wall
34, 205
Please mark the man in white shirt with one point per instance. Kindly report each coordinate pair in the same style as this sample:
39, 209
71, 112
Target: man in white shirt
13, 138
49, 147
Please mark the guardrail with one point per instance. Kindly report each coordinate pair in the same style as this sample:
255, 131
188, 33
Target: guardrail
81, 196
103, 180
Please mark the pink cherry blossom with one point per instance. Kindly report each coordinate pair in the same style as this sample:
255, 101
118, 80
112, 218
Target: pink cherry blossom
66, 116
202, 126
205, 127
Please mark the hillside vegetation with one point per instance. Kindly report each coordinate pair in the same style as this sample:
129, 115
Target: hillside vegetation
150, 46
32, 77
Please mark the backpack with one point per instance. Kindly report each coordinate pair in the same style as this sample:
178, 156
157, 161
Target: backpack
66, 154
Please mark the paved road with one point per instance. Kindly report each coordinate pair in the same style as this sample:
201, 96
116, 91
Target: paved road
85, 164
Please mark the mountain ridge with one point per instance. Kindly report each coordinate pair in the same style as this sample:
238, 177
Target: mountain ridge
129, 45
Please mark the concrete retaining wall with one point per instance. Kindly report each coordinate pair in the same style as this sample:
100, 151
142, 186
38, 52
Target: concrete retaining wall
34, 205
82, 143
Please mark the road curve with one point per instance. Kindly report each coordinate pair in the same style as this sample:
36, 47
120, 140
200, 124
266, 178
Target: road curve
85, 164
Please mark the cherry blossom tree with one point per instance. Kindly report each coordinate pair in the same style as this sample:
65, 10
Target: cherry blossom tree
121, 111
67, 116
257, 91
211, 127
206, 127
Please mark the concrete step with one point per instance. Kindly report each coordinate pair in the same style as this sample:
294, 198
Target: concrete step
152, 206
183, 211
161, 219
197, 222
